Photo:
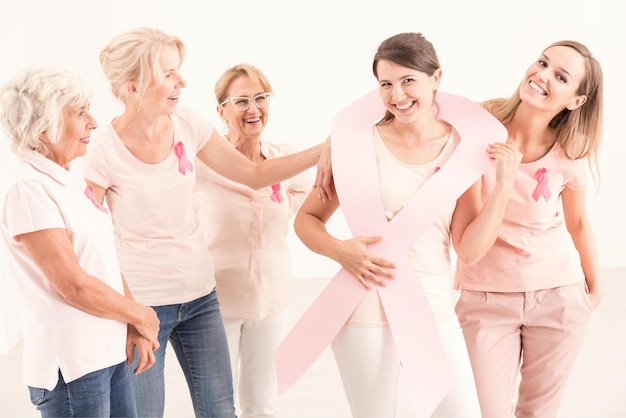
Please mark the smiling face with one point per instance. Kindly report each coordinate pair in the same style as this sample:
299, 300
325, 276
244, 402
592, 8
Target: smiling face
551, 84
78, 123
162, 97
248, 124
407, 93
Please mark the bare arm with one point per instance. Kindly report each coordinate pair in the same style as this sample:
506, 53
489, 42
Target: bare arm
225, 160
475, 226
352, 254
52, 252
575, 214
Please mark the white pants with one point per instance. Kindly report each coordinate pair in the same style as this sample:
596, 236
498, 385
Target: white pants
369, 366
251, 345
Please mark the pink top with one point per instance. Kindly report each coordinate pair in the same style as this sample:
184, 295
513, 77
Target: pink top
160, 246
430, 254
246, 232
534, 249
57, 335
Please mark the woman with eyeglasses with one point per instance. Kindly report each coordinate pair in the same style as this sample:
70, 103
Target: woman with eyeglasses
144, 164
246, 231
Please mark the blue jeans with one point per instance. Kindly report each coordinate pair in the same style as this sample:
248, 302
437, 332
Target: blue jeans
103, 393
196, 332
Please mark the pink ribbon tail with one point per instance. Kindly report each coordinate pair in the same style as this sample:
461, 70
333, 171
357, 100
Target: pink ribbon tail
542, 188
276, 196
89, 193
183, 163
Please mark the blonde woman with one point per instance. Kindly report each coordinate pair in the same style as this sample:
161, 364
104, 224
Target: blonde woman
143, 163
529, 299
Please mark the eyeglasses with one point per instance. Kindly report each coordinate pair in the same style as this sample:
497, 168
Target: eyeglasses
243, 103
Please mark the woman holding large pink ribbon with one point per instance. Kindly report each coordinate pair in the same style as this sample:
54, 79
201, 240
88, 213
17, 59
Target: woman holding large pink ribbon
407, 183
529, 299
143, 163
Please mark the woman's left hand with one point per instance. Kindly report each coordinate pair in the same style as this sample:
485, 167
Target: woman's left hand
144, 350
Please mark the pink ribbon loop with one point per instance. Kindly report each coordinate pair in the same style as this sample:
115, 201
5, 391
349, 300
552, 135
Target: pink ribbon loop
183, 163
542, 188
355, 173
276, 196
91, 196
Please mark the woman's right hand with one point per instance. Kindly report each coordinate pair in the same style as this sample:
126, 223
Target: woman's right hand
366, 267
508, 159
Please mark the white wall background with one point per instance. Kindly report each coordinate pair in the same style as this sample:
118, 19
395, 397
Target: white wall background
318, 57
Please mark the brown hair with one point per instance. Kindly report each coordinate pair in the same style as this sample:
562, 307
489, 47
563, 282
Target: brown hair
409, 49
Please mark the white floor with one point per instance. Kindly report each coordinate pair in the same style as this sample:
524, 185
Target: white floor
597, 388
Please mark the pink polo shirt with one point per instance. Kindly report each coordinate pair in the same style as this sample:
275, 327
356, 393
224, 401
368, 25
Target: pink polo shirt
246, 233
533, 250
160, 246
57, 335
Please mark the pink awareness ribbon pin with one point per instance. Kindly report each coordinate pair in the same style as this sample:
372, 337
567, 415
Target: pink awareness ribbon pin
542, 188
183, 162
89, 193
276, 196
355, 174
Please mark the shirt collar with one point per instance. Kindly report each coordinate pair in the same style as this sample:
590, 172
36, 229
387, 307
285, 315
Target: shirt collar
51, 169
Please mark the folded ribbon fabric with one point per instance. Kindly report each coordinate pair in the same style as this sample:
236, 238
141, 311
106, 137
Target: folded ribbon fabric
183, 162
89, 193
410, 318
542, 188
276, 196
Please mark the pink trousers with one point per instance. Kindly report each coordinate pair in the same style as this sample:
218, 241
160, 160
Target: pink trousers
536, 334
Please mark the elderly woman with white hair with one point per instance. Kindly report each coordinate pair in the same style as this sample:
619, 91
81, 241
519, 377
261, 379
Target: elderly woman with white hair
77, 315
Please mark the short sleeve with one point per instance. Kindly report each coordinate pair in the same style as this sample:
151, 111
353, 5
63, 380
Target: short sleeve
30, 208
194, 127
579, 179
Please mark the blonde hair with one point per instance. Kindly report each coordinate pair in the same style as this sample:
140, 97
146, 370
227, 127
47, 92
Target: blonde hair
241, 70
578, 131
33, 102
133, 56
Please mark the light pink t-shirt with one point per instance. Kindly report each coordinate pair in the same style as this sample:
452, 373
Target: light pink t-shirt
246, 233
430, 254
162, 253
533, 250
57, 335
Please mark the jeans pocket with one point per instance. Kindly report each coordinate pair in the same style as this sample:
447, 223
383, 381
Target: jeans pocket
36, 395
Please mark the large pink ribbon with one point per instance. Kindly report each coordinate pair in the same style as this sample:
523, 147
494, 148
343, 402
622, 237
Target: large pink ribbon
183, 161
542, 188
89, 193
410, 318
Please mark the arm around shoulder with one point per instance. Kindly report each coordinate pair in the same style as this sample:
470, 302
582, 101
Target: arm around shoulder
220, 156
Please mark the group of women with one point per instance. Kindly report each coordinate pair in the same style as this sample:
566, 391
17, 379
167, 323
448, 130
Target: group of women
173, 232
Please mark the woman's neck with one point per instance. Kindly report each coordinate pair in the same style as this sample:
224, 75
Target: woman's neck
250, 147
530, 133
